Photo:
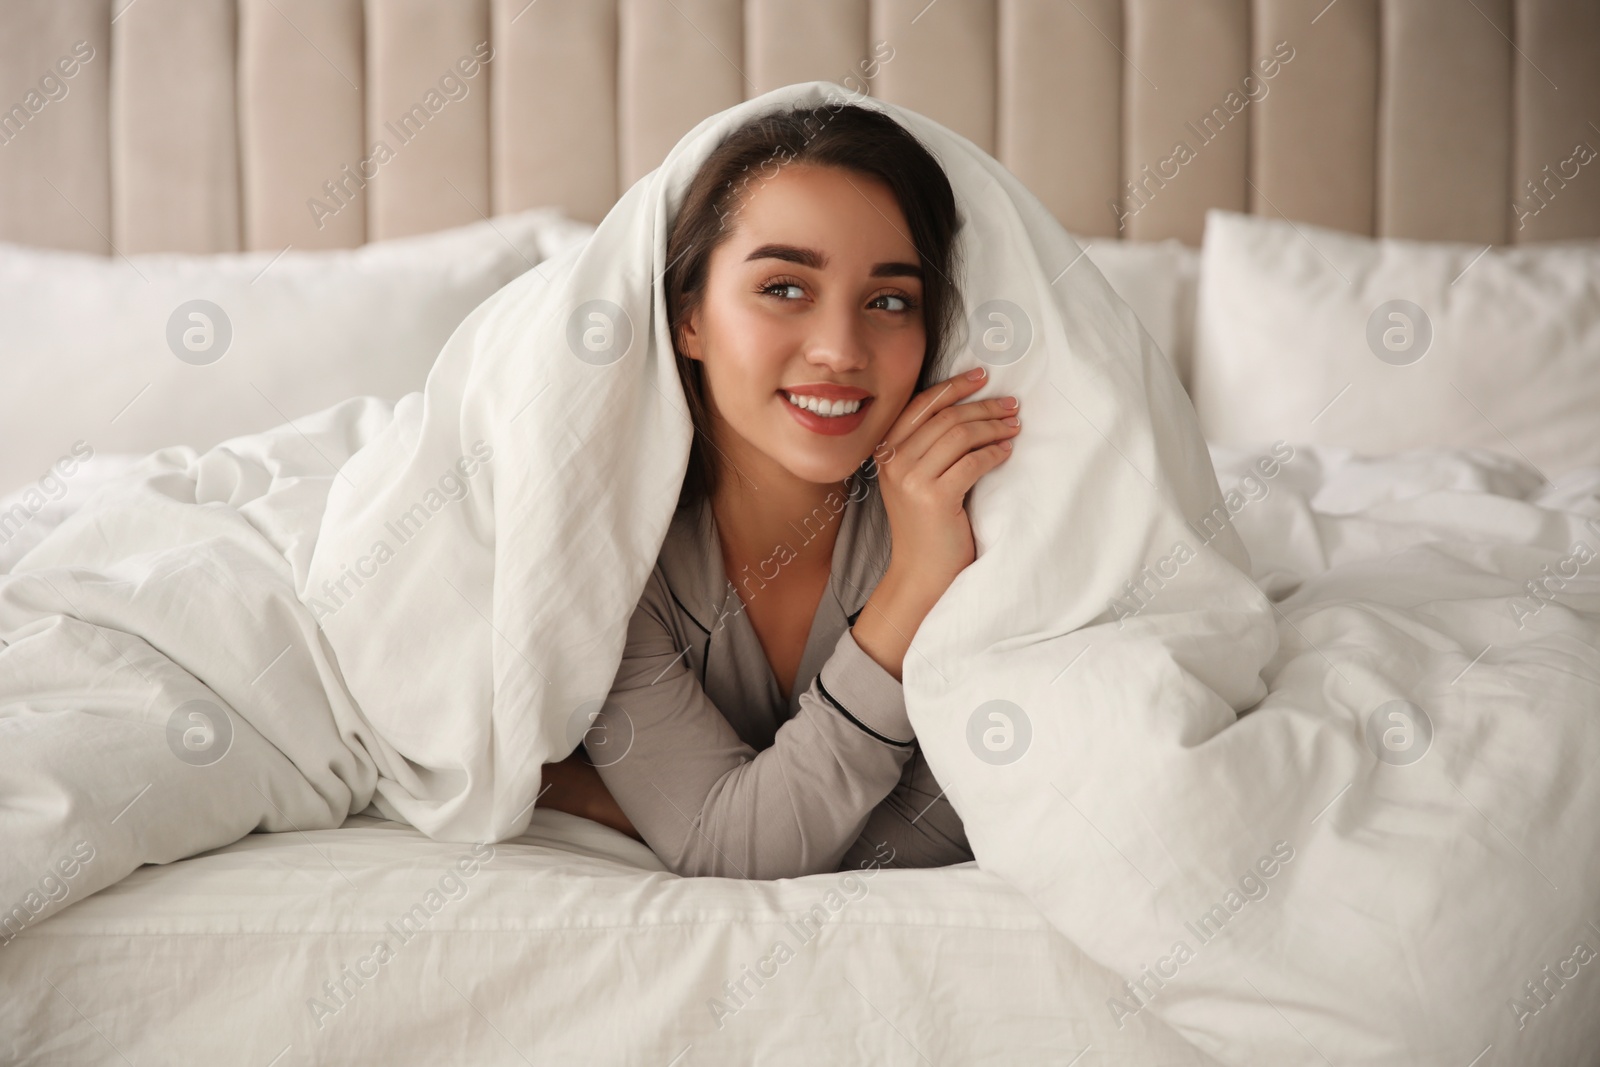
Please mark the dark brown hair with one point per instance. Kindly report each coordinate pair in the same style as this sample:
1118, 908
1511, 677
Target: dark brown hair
858, 139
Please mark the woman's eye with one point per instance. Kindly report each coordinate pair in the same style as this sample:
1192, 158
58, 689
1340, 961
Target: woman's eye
770, 286
906, 303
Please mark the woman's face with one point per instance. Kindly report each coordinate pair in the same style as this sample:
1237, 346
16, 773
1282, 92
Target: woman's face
817, 290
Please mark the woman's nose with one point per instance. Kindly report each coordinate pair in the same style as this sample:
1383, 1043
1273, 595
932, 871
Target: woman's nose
837, 340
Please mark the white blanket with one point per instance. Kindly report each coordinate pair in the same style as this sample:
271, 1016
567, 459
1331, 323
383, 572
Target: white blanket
1321, 878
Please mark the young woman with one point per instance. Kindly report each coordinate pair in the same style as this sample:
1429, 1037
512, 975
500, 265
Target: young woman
757, 727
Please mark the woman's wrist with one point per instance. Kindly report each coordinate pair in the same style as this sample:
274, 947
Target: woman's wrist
891, 618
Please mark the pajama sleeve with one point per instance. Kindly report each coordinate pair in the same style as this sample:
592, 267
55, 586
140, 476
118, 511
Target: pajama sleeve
709, 804
915, 826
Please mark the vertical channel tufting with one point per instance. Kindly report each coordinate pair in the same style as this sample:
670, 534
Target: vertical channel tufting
426, 164
1444, 152
681, 60
1314, 126
826, 40
210, 125
553, 106
1186, 142
1555, 171
1059, 107
55, 174
172, 99
300, 123
943, 62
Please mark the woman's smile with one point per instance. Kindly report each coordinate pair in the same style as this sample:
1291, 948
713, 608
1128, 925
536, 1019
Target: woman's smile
832, 417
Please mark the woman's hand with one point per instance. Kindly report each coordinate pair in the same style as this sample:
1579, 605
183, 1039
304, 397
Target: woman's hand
935, 452
575, 787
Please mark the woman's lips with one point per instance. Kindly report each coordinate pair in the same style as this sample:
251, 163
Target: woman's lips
831, 427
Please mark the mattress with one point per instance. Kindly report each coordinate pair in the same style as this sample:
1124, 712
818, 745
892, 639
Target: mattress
569, 944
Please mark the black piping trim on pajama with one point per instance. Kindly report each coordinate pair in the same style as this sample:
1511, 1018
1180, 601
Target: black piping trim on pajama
705, 654
687, 612
846, 713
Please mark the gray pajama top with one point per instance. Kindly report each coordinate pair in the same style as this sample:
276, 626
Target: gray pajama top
718, 772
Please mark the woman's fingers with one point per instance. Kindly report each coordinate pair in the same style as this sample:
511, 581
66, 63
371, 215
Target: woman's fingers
919, 430
969, 427
926, 405
941, 444
965, 472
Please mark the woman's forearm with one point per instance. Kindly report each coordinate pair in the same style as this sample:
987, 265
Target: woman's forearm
891, 618
574, 786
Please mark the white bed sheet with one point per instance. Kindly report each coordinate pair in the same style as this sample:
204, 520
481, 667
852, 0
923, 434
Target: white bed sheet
571, 945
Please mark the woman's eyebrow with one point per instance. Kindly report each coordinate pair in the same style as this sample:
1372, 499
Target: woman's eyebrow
810, 257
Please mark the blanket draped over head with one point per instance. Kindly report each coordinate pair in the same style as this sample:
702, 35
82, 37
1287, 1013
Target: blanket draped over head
415, 607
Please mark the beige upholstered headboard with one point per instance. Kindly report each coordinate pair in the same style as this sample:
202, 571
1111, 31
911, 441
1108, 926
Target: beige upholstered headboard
219, 125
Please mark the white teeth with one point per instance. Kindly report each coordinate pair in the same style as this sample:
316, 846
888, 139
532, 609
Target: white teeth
826, 408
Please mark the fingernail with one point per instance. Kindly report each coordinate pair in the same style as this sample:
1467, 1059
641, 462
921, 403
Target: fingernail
1008, 402
975, 373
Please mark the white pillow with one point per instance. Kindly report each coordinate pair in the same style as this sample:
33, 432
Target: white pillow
1300, 337
1158, 280
85, 356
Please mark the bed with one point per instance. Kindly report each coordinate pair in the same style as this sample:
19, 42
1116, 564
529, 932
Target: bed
1419, 170
657, 968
